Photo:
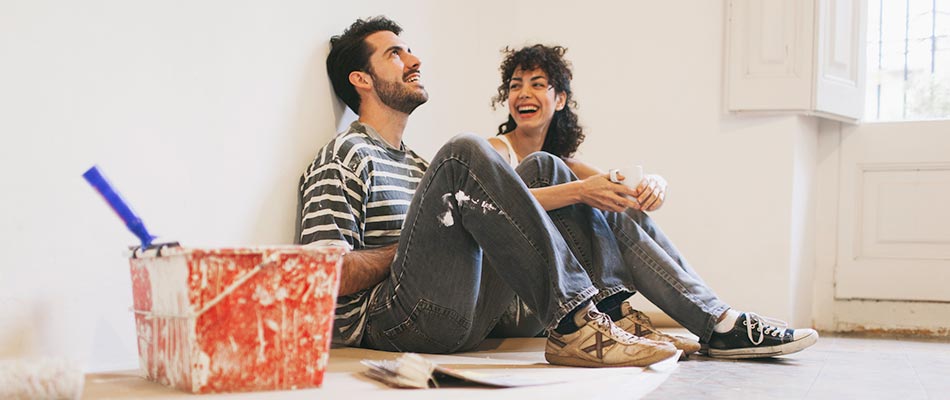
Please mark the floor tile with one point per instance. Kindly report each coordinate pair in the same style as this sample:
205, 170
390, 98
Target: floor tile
837, 367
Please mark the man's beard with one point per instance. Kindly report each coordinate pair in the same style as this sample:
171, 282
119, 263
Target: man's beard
398, 96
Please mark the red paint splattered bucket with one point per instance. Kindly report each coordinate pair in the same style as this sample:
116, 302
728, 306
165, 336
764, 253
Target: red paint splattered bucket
241, 319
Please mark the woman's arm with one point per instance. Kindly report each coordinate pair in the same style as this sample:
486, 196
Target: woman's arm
595, 189
581, 169
650, 193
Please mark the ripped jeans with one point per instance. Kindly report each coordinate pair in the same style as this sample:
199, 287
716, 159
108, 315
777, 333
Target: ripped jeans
473, 238
622, 253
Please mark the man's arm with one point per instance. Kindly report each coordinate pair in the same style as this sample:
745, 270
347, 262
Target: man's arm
362, 269
331, 214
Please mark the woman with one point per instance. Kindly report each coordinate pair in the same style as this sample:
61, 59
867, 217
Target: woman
539, 139
537, 86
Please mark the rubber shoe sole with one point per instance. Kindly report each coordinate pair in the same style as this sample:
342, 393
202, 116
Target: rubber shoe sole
580, 362
763, 352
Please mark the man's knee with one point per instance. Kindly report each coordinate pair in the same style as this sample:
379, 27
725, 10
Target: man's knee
467, 146
467, 140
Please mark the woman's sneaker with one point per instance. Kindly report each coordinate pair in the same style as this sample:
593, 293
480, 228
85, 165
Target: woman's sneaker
756, 337
600, 343
639, 324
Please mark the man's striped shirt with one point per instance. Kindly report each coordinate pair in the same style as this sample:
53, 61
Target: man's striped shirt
356, 193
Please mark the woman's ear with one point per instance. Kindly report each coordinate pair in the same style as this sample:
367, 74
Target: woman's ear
561, 101
361, 79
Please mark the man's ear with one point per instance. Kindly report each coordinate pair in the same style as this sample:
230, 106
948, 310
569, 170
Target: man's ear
561, 101
360, 79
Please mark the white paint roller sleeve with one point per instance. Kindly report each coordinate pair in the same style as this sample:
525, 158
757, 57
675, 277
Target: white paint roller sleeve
40, 378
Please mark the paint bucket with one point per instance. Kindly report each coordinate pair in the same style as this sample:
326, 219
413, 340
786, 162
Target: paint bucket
235, 319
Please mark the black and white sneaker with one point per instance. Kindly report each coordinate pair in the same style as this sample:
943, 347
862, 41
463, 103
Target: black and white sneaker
754, 336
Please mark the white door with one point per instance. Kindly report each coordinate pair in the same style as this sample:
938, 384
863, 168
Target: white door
894, 212
892, 180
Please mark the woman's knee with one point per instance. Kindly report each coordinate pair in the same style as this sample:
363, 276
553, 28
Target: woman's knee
545, 168
546, 159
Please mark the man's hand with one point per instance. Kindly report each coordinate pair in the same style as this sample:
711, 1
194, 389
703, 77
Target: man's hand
650, 193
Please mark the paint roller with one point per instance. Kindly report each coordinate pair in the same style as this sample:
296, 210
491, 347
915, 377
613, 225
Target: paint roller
132, 221
60, 378
40, 378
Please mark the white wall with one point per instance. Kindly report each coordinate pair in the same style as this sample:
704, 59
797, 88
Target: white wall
204, 114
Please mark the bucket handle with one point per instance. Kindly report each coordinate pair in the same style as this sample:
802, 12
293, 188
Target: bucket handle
269, 260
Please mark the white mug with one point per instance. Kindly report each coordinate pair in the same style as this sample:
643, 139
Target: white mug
632, 175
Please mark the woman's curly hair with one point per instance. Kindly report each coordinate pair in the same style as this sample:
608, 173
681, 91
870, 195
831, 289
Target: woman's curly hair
564, 134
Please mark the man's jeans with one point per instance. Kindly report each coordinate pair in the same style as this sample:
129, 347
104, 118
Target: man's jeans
472, 239
622, 252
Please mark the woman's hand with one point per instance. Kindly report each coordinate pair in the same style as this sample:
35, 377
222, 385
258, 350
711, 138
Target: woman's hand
596, 190
599, 192
650, 193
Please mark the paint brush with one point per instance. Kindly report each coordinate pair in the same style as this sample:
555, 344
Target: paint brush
121, 208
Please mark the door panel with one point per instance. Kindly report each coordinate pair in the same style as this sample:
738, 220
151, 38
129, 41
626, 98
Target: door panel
894, 212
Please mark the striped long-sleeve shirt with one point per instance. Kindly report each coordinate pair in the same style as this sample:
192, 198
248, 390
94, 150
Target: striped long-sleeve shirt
356, 193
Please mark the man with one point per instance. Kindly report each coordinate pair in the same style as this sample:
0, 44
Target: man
425, 238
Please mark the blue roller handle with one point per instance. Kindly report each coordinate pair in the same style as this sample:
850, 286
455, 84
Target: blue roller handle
132, 221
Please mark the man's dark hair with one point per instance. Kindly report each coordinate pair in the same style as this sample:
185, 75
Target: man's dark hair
349, 52
564, 135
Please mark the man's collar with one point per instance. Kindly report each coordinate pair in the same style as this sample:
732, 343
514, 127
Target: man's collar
372, 133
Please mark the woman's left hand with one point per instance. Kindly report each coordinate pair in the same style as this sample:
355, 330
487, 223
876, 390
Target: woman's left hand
651, 192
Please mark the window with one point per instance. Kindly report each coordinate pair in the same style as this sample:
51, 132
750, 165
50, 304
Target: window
908, 60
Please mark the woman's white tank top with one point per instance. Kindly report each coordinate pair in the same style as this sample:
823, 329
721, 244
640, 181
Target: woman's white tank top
512, 156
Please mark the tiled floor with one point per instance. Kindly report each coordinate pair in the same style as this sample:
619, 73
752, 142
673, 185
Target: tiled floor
837, 367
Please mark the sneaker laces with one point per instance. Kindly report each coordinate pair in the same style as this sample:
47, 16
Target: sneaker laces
604, 321
764, 326
643, 319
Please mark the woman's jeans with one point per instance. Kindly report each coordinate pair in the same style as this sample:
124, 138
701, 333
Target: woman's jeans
622, 253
